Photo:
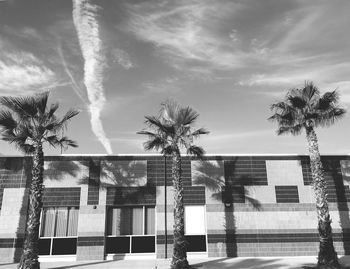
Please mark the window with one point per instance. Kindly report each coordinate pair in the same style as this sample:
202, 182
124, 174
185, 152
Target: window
58, 231
195, 228
131, 230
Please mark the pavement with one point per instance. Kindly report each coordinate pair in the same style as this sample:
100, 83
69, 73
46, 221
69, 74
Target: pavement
205, 263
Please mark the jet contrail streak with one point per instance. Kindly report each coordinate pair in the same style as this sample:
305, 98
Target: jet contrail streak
87, 27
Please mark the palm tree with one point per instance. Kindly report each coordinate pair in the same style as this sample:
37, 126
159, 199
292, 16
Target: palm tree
306, 109
169, 133
28, 122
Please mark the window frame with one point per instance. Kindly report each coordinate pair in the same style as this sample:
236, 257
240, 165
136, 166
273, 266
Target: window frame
131, 236
52, 238
205, 234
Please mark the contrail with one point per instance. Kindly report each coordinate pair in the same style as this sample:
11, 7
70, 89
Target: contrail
87, 27
73, 83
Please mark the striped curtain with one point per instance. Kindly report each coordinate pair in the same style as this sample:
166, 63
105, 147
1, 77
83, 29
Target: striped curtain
48, 222
137, 221
73, 221
61, 221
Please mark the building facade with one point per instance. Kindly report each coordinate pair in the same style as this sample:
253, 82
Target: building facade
110, 207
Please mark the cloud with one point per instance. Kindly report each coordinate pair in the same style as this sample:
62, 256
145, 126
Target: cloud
167, 85
122, 57
88, 29
324, 73
22, 72
75, 85
183, 31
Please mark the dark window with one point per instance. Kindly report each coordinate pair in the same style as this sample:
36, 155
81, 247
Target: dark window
44, 246
143, 244
118, 244
64, 246
196, 243
287, 194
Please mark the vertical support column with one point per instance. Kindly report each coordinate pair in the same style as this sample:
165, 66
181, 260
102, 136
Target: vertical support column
92, 218
13, 217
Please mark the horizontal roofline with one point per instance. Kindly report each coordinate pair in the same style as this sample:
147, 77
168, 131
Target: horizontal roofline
206, 155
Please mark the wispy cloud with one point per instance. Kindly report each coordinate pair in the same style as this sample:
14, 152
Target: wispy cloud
88, 29
23, 73
182, 32
74, 83
122, 58
167, 85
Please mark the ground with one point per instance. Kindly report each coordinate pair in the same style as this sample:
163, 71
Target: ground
237, 263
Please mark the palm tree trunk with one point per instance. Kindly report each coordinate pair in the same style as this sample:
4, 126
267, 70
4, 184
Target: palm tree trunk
29, 259
327, 255
179, 260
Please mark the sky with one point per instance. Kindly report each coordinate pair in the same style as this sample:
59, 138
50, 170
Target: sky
118, 60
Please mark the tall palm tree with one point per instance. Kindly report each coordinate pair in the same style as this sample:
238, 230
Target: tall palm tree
28, 123
170, 132
306, 109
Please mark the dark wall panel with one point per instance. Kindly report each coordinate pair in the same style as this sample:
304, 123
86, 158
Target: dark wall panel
245, 171
54, 197
287, 194
14, 172
194, 195
131, 196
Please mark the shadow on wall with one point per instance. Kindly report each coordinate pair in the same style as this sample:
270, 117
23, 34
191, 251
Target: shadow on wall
11, 170
59, 170
213, 175
127, 178
334, 169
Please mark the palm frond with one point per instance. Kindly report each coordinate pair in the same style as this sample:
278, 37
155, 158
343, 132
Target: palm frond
53, 108
297, 101
28, 122
187, 116
169, 111
24, 106
294, 130
155, 143
155, 123
199, 132
327, 100
310, 92
195, 151
329, 117
41, 101
69, 114
7, 121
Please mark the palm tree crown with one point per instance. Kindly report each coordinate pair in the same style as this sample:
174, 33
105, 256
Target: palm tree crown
173, 130
306, 108
28, 121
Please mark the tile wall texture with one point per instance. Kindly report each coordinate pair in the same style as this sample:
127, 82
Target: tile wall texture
255, 205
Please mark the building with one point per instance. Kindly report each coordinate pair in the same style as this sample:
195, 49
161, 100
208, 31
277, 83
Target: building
109, 207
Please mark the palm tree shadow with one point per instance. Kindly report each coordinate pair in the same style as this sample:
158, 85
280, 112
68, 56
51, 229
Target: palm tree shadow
342, 193
214, 175
335, 183
18, 167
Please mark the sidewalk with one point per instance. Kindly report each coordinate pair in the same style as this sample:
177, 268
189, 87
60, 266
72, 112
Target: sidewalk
224, 263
